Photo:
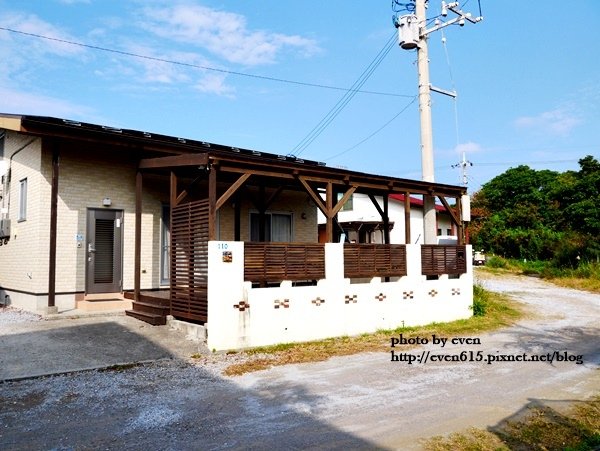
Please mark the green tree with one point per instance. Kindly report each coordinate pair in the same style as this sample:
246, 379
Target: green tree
547, 215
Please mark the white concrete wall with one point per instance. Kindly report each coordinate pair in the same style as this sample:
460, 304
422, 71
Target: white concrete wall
241, 316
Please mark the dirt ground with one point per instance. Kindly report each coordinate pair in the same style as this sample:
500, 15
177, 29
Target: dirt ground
364, 401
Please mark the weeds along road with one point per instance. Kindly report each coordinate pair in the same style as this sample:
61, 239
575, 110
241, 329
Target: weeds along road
364, 401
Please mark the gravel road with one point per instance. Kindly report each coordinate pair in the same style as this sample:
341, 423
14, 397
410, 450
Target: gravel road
364, 401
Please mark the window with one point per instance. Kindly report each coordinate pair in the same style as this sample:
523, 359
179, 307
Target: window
2, 136
348, 206
165, 243
23, 200
439, 232
278, 227
448, 232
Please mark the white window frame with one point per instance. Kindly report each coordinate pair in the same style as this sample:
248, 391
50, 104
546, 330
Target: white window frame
22, 200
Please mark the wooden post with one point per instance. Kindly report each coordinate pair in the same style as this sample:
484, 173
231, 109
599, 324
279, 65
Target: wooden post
407, 217
138, 237
262, 219
386, 220
212, 203
329, 208
53, 229
172, 203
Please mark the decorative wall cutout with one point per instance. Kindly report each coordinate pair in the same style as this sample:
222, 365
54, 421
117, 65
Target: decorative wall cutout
351, 299
380, 297
285, 303
242, 306
455, 291
433, 293
408, 294
318, 301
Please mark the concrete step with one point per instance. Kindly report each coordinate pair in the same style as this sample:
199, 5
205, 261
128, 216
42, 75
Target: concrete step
104, 305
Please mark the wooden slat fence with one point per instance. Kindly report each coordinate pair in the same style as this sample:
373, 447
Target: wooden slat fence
274, 262
439, 259
189, 261
374, 260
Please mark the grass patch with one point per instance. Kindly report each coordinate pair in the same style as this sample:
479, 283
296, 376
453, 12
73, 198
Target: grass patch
538, 428
585, 276
498, 311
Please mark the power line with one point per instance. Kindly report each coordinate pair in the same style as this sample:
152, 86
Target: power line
345, 99
374, 133
198, 66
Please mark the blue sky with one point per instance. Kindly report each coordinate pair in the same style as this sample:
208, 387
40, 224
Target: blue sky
527, 78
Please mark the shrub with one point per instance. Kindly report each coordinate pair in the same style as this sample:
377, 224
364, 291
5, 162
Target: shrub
496, 262
480, 300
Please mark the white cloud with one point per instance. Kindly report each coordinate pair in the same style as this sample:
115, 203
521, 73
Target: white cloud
215, 84
468, 147
558, 122
18, 102
224, 34
30, 23
160, 73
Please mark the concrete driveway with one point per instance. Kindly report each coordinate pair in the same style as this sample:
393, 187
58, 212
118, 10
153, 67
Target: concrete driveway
364, 401
39, 348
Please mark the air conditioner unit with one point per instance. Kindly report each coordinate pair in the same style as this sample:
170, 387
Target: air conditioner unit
4, 228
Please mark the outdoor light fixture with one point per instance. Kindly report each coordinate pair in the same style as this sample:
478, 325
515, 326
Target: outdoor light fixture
107, 202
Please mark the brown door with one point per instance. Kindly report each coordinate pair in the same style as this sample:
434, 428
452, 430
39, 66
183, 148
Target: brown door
104, 271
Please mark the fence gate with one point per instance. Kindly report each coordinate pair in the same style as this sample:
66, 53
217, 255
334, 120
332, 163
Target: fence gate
189, 261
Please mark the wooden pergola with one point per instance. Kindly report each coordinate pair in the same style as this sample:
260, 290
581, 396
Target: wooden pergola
226, 171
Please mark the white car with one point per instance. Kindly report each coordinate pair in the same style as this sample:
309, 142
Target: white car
478, 258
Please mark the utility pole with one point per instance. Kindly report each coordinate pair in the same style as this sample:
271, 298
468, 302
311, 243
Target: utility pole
412, 33
429, 216
463, 165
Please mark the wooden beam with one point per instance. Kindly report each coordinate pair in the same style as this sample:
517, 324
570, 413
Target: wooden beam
138, 237
377, 206
273, 197
343, 200
195, 159
455, 218
407, 218
231, 190
173, 191
53, 225
212, 204
187, 190
281, 175
315, 197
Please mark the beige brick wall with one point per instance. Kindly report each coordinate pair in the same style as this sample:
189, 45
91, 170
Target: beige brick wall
304, 230
23, 260
84, 183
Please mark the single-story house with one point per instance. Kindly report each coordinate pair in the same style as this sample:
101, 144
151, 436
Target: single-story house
362, 223
211, 234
